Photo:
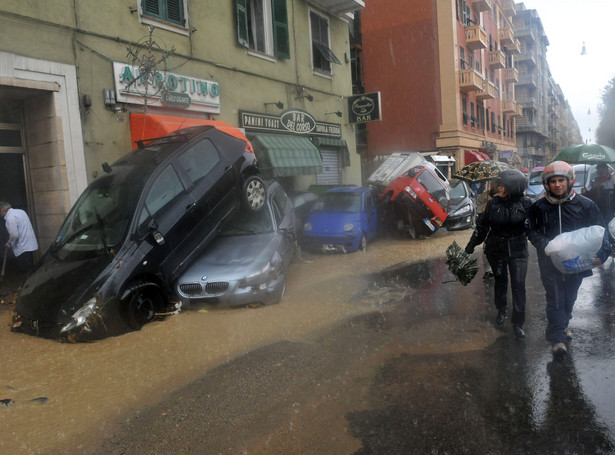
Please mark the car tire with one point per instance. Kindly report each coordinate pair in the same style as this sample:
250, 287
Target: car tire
363, 243
143, 304
254, 193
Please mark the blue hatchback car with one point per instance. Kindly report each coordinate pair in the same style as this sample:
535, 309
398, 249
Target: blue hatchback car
343, 219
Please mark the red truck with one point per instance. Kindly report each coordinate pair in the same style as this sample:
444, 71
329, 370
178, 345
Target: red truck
414, 193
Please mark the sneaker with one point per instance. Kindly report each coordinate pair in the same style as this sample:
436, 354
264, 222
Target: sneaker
559, 351
568, 333
488, 275
518, 331
499, 320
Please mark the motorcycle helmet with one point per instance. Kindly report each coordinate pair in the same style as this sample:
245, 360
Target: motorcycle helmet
513, 180
558, 168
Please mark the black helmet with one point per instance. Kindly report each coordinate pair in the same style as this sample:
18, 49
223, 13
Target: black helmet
513, 180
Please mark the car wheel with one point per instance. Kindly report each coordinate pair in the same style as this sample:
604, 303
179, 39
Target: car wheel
254, 193
143, 305
363, 244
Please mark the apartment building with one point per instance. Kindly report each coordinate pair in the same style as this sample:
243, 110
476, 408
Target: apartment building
81, 82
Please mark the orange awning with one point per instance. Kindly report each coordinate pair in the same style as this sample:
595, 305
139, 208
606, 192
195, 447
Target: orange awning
150, 126
470, 156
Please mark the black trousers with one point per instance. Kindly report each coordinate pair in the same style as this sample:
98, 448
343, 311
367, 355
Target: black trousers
502, 266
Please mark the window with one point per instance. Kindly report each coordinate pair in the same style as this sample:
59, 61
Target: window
262, 25
199, 160
464, 104
165, 10
472, 118
164, 190
493, 122
322, 56
462, 58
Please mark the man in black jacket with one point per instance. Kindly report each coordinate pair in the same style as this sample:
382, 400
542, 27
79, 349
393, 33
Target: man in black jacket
561, 210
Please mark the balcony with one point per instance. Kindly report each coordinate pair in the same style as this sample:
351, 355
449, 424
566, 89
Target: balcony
512, 108
339, 7
530, 80
511, 75
514, 48
488, 92
476, 38
470, 80
528, 103
497, 60
527, 56
481, 5
507, 36
509, 7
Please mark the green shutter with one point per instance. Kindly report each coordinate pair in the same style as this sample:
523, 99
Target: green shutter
175, 11
151, 8
241, 11
280, 29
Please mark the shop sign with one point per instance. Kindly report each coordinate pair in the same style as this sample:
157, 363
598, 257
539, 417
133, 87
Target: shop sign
293, 121
165, 88
364, 108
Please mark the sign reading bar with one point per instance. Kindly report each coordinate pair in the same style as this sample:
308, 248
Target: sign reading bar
364, 108
293, 121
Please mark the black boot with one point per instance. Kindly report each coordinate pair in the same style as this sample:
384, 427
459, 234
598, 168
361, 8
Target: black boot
501, 317
518, 331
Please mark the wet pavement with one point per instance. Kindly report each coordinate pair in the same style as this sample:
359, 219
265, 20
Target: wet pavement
422, 371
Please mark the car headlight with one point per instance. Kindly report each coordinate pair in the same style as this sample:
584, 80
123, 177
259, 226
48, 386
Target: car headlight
349, 227
81, 315
307, 227
410, 191
466, 209
262, 276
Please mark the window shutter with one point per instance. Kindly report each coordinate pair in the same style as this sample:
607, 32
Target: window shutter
151, 8
280, 29
175, 11
241, 13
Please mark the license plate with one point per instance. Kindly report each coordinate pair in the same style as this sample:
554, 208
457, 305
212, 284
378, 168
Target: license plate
429, 225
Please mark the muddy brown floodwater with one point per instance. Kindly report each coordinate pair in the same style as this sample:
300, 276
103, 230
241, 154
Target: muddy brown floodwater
65, 395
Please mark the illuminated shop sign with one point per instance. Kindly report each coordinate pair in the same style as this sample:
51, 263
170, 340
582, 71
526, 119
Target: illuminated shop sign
293, 121
364, 108
165, 89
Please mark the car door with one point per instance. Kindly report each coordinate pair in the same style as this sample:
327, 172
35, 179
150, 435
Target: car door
167, 218
285, 221
213, 183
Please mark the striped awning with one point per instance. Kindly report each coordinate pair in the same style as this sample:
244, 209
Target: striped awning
339, 144
282, 155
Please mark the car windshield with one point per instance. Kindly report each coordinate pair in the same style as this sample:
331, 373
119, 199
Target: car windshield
338, 202
248, 222
100, 219
458, 191
535, 178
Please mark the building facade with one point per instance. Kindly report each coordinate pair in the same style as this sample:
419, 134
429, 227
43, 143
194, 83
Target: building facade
80, 83
451, 85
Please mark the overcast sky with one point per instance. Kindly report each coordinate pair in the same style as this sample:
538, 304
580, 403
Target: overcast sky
568, 24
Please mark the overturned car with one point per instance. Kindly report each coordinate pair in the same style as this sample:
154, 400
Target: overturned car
133, 231
415, 195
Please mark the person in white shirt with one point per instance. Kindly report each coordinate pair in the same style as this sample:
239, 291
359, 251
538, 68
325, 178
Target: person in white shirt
22, 240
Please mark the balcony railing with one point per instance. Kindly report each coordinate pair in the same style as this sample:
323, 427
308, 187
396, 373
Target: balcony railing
512, 108
528, 79
528, 103
497, 60
507, 36
511, 75
509, 7
528, 56
515, 47
476, 38
481, 5
470, 80
489, 91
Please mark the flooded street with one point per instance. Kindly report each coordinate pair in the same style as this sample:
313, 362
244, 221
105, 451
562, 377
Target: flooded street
90, 386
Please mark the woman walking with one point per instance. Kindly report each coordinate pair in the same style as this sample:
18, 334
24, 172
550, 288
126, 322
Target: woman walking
503, 229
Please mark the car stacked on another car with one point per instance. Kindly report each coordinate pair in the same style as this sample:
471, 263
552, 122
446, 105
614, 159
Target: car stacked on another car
248, 262
134, 230
342, 220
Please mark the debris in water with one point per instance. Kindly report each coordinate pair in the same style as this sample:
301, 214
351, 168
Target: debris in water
40, 400
6, 402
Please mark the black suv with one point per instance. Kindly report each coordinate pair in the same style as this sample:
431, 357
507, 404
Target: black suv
134, 230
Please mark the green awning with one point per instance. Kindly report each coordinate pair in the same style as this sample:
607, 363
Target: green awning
329, 142
281, 155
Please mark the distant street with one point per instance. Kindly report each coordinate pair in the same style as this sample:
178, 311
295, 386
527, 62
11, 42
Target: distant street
368, 353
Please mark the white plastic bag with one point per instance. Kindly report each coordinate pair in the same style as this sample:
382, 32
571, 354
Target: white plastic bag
611, 227
574, 251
